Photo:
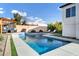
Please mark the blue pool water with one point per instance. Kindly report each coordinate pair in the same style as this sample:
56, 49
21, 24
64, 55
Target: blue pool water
43, 44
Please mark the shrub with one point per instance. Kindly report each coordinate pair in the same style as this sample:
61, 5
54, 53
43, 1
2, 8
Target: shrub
56, 26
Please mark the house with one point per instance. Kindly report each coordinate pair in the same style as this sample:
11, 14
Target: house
70, 17
7, 25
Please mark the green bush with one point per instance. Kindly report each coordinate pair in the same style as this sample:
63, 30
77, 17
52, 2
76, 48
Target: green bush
50, 27
56, 26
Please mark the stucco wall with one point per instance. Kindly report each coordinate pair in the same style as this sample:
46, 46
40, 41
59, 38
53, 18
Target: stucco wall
77, 21
69, 24
37, 29
29, 28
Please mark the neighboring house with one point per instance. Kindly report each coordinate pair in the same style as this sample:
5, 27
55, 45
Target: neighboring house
7, 25
70, 17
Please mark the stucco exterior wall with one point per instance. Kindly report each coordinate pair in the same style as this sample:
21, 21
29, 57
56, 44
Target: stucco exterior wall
37, 29
30, 28
77, 21
69, 24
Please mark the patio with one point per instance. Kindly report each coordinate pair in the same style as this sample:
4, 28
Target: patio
71, 49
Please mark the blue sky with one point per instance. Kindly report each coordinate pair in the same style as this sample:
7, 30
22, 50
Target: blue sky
48, 12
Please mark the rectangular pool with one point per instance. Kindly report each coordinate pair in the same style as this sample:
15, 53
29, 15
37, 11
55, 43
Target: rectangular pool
43, 44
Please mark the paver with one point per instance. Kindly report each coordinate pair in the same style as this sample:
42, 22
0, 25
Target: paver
8, 47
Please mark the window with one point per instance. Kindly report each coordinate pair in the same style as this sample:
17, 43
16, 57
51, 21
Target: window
73, 11
70, 12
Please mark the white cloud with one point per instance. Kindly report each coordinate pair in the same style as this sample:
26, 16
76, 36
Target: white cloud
31, 19
19, 12
36, 20
1, 8
39, 20
24, 14
1, 11
14, 11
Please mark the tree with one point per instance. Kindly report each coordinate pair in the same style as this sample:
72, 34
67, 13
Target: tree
50, 27
56, 26
17, 17
24, 22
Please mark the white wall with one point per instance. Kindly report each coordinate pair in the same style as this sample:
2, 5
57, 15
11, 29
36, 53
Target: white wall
37, 29
77, 21
20, 27
30, 28
69, 24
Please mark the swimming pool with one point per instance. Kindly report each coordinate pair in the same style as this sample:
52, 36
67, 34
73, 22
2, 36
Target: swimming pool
43, 44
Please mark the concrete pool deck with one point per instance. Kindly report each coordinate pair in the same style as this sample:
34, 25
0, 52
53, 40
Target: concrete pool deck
71, 49
22, 48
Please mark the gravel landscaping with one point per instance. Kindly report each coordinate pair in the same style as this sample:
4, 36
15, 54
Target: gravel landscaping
3, 38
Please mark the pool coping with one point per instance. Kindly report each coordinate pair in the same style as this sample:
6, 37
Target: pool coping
24, 49
61, 38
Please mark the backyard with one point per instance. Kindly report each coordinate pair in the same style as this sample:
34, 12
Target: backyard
25, 35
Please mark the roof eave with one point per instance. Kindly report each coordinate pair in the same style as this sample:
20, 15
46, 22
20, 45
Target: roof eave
65, 5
